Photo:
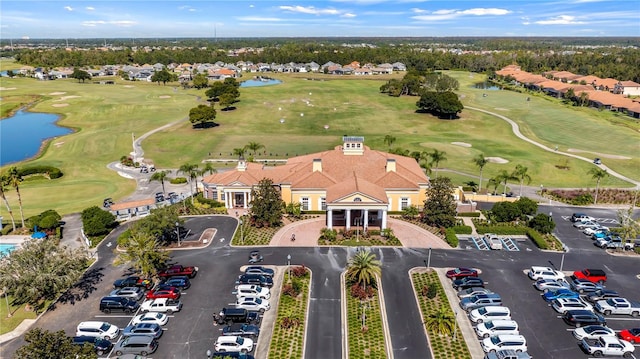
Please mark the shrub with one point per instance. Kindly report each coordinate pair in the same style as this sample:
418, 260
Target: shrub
537, 238
97, 221
211, 202
50, 171
362, 293
126, 161
329, 235
462, 229
469, 214
451, 238
429, 291
289, 322
178, 180
299, 271
542, 223
291, 289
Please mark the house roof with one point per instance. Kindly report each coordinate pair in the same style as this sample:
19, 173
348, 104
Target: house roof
132, 204
629, 84
340, 174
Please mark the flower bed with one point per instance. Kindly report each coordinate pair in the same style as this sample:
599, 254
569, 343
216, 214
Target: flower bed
288, 333
443, 346
368, 342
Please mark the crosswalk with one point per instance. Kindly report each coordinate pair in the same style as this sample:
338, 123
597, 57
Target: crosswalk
508, 244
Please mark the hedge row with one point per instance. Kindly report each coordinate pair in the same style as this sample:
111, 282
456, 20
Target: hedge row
462, 229
451, 238
469, 214
537, 238
52, 172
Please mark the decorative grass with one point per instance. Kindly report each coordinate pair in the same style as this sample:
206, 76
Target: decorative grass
369, 343
251, 236
443, 346
288, 343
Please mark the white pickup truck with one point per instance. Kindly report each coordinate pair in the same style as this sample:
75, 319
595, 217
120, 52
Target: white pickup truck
607, 346
620, 306
162, 305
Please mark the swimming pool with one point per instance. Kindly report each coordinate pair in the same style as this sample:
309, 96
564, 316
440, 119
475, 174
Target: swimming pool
5, 249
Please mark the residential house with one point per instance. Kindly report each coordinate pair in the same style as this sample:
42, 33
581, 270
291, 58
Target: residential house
139, 208
627, 88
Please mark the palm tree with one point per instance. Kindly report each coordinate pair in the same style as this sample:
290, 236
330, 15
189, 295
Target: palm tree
144, 252
254, 147
389, 140
597, 174
442, 321
14, 178
504, 177
480, 161
494, 182
3, 182
363, 267
239, 152
191, 171
160, 176
436, 158
521, 173
208, 168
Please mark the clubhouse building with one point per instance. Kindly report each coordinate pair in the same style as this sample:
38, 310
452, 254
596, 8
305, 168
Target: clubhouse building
353, 184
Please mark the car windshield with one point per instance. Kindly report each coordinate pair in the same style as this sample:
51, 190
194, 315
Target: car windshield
158, 316
482, 311
105, 326
258, 300
590, 330
495, 340
635, 331
489, 325
239, 340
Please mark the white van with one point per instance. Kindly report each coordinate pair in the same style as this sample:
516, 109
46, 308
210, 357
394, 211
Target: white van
252, 290
101, 330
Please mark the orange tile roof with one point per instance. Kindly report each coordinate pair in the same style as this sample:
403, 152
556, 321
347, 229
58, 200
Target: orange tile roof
629, 84
608, 82
132, 204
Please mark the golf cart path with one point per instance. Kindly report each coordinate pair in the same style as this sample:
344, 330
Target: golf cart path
516, 130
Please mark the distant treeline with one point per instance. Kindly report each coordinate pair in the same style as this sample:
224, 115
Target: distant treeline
583, 57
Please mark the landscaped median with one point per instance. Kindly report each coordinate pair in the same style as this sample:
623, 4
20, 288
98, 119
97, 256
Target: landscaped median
287, 340
445, 336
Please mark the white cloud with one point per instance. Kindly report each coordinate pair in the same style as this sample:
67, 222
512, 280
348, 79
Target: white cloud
251, 5
311, 10
90, 8
348, 15
68, 8
448, 14
525, 20
560, 20
119, 23
259, 19
419, 11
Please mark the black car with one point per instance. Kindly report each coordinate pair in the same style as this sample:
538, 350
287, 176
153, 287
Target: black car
241, 330
100, 345
581, 317
118, 304
232, 355
256, 279
181, 282
467, 282
602, 294
268, 272
236, 315
133, 281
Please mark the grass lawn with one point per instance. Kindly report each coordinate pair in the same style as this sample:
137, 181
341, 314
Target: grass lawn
18, 314
106, 116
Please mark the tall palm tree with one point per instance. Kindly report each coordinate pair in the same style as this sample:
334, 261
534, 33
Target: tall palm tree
389, 140
160, 176
254, 147
3, 182
521, 173
363, 267
14, 178
504, 177
480, 161
442, 321
436, 158
191, 171
144, 252
208, 168
597, 174
239, 152
494, 182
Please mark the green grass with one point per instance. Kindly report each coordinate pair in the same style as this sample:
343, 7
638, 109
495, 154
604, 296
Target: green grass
18, 314
443, 346
369, 343
288, 342
105, 116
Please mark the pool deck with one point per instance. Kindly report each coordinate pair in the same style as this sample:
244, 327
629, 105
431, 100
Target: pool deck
17, 240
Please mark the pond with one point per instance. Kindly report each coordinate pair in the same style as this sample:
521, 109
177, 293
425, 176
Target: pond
260, 82
486, 86
22, 134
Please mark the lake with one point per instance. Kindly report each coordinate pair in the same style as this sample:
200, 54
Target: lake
22, 134
263, 82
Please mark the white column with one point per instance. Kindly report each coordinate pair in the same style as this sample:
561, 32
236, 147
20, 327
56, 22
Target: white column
245, 199
330, 219
347, 224
384, 220
226, 199
366, 218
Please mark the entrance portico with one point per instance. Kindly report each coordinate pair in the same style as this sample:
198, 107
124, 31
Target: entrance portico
237, 197
367, 216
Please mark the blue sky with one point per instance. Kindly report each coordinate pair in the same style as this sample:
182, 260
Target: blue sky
381, 18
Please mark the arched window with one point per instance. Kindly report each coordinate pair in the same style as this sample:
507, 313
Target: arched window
357, 199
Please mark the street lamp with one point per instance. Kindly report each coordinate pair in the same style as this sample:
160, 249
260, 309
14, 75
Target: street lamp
6, 298
242, 231
455, 324
429, 259
178, 232
289, 265
562, 260
209, 354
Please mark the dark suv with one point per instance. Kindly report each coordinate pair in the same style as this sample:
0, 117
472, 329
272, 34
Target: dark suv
236, 315
257, 279
101, 346
110, 304
580, 317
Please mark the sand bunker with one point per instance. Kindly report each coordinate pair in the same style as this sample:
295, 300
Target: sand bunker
64, 98
501, 109
463, 144
57, 93
58, 144
128, 86
60, 105
164, 96
7, 88
602, 155
497, 160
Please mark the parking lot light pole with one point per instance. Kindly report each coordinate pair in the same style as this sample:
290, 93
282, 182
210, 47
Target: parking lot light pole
562, 261
289, 265
429, 259
209, 354
242, 231
455, 324
178, 232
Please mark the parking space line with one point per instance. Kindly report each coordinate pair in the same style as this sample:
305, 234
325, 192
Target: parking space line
625, 319
114, 316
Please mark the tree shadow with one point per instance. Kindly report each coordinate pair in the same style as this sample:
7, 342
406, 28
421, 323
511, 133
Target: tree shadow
203, 125
230, 108
81, 290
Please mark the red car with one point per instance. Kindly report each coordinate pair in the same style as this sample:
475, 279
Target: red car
178, 270
461, 273
630, 335
167, 292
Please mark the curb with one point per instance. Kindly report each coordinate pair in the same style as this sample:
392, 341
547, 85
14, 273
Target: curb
385, 324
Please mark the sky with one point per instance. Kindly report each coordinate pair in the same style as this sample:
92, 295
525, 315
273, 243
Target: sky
302, 18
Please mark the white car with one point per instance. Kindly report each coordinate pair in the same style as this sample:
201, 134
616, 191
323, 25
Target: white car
252, 290
585, 224
561, 305
593, 332
495, 327
545, 285
536, 272
484, 314
507, 341
254, 304
135, 293
589, 231
101, 330
151, 317
163, 305
233, 344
